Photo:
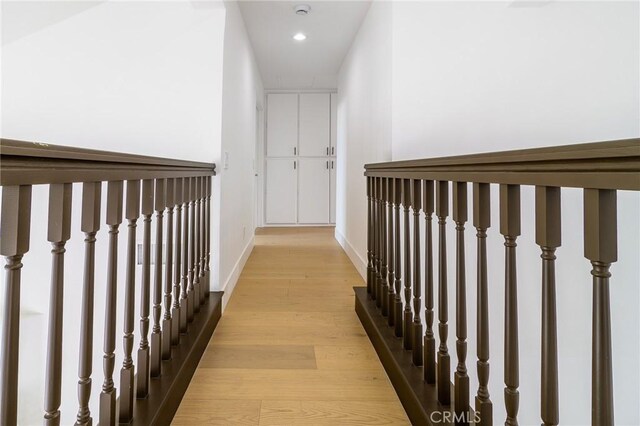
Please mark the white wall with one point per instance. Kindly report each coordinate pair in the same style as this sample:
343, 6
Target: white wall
242, 92
364, 124
487, 76
138, 77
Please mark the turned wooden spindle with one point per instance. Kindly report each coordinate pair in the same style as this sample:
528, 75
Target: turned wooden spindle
127, 372
196, 253
192, 249
90, 224
370, 270
184, 281
416, 343
384, 286
548, 237
397, 309
168, 270
175, 308
114, 219
429, 338
600, 247
156, 332
208, 235
444, 360
460, 377
142, 382
391, 297
15, 226
482, 222
407, 335
203, 283
369, 236
510, 229
58, 233
376, 241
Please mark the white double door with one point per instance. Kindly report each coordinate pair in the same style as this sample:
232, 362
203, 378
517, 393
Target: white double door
300, 169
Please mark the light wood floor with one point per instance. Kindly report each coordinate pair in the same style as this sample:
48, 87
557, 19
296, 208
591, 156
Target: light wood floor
289, 349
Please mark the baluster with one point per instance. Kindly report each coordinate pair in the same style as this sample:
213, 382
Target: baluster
510, 229
15, 224
370, 271
482, 222
376, 241
184, 299
390, 255
168, 270
192, 248
208, 235
143, 351
600, 247
398, 259
114, 219
548, 237
203, 183
384, 288
444, 362
417, 284
429, 339
156, 332
175, 310
196, 254
91, 199
460, 377
58, 233
127, 372
407, 335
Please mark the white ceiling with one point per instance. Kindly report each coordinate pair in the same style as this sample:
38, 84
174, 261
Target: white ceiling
314, 63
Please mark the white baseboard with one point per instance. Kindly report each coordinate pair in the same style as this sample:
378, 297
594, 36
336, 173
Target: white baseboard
356, 259
231, 282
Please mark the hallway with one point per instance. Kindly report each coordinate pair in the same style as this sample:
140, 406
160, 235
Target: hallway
289, 348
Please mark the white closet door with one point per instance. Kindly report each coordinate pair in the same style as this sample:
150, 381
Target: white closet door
281, 190
282, 124
334, 124
332, 190
314, 124
313, 192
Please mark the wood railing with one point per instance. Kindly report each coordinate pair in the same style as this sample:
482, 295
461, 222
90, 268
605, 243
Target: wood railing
425, 185
151, 387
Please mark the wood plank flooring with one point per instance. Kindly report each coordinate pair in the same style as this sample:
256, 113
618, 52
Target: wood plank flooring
289, 349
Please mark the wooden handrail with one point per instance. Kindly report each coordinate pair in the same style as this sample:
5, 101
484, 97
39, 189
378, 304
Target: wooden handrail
136, 186
33, 163
423, 377
599, 165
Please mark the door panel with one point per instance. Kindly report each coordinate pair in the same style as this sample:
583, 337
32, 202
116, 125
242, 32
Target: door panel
332, 190
334, 125
282, 124
281, 190
314, 124
313, 194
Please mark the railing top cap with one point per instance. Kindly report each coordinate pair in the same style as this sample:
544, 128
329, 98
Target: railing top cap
625, 148
44, 151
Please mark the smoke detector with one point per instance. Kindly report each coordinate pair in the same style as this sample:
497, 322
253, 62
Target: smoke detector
302, 9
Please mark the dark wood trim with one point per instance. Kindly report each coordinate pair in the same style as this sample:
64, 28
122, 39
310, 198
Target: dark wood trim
419, 399
599, 165
29, 163
165, 393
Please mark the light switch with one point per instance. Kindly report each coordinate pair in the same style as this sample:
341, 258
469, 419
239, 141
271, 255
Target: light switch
226, 160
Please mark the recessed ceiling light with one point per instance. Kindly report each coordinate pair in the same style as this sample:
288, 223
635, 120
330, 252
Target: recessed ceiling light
299, 37
302, 9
